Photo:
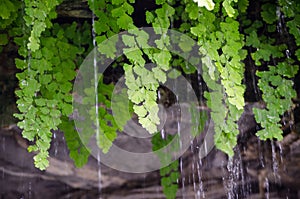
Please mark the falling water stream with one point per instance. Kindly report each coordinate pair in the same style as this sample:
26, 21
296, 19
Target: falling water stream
234, 180
96, 102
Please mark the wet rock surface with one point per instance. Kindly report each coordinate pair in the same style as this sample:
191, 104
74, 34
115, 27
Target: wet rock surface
254, 172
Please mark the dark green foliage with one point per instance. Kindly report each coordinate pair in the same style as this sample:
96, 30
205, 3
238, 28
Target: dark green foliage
78, 152
170, 173
275, 83
45, 85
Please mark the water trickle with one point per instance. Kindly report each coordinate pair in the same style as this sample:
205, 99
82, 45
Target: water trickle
56, 143
162, 131
288, 53
171, 22
182, 178
229, 181
96, 101
29, 190
176, 115
280, 18
244, 190
260, 154
3, 174
3, 144
254, 84
194, 171
281, 155
200, 191
200, 85
267, 187
234, 183
275, 163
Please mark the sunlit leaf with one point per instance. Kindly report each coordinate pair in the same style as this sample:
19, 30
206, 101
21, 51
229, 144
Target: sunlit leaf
209, 4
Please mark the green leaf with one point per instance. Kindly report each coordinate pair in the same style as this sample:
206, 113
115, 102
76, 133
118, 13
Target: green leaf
174, 73
136, 96
270, 133
269, 13
209, 4
125, 22
140, 110
150, 82
141, 71
192, 10
33, 44
149, 17
275, 80
297, 53
225, 144
40, 102
6, 9
211, 68
162, 59
118, 12
287, 70
78, 153
243, 5
104, 143
45, 79
160, 75
40, 160
174, 177
229, 9
100, 27
3, 39
128, 40
186, 43
252, 40
198, 30
136, 56
67, 109
129, 8
21, 64
148, 125
117, 2
108, 47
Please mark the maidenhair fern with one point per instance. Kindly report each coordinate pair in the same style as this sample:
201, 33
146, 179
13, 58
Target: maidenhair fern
291, 11
45, 85
225, 32
170, 173
38, 18
221, 43
79, 153
275, 83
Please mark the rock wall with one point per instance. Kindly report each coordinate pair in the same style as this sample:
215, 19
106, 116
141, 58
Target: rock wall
254, 172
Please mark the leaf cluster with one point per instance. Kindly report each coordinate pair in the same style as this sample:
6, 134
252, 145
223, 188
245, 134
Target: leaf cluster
45, 86
274, 82
169, 174
221, 44
38, 15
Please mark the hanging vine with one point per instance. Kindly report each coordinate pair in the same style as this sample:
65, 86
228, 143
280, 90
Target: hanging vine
9, 13
275, 83
169, 174
222, 43
48, 68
